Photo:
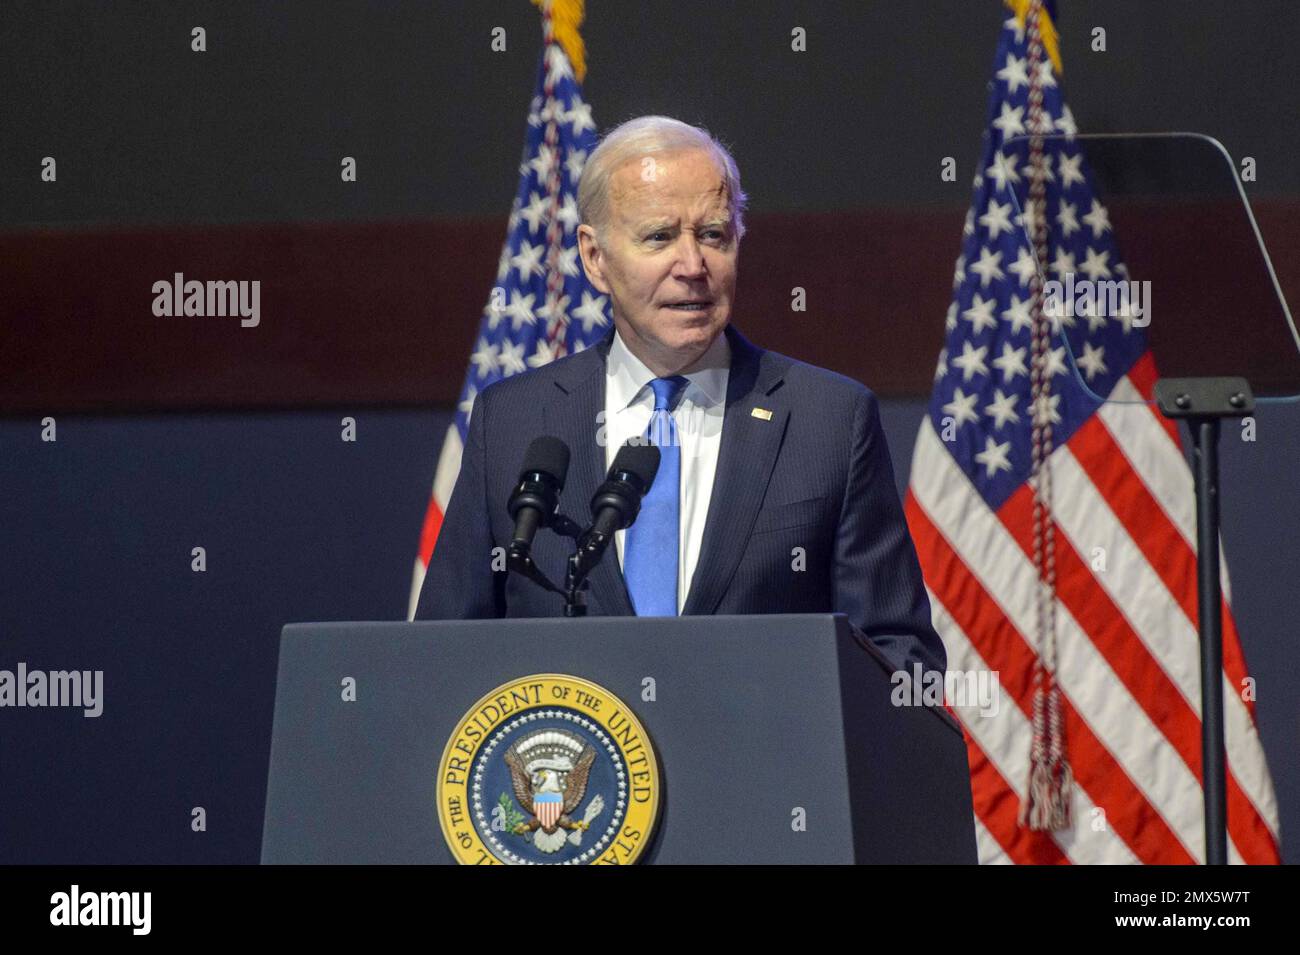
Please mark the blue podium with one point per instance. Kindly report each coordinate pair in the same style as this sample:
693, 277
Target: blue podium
775, 737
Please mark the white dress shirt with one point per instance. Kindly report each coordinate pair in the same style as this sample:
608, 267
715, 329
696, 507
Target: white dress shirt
629, 403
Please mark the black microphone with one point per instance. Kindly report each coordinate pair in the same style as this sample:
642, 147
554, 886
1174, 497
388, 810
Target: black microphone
536, 498
617, 502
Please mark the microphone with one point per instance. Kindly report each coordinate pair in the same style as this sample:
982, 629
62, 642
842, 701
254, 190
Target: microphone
617, 502
536, 498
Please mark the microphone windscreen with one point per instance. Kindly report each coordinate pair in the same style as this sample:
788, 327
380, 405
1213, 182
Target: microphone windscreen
641, 459
548, 455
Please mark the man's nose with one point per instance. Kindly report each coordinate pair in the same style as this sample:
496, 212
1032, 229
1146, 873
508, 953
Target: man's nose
690, 258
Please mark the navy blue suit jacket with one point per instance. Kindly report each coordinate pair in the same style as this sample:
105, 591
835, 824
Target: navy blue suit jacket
816, 476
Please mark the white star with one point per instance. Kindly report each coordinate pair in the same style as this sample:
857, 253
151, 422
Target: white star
534, 213
1056, 362
1063, 263
591, 312
1013, 74
942, 368
1011, 363
544, 354
968, 227
535, 111
520, 309
1045, 77
485, 357
971, 361
528, 260
543, 162
1013, 23
1066, 123
573, 165
959, 271
994, 457
1048, 175
1091, 360
1003, 408
552, 109
1003, 170
1068, 167
1025, 267
987, 267
996, 219
512, 358
1009, 122
1094, 263
1098, 218
962, 407
1065, 218
980, 314
549, 312
1045, 411
568, 213
503, 263
950, 319
579, 115
1017, 313
569, 260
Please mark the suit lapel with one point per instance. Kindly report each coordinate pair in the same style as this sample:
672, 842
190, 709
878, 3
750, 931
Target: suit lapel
576, 418
745, 460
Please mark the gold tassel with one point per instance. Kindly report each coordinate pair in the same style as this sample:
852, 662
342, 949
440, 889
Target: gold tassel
1045, 27
566, 16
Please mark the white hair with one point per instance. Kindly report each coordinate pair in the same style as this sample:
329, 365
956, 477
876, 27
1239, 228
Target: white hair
648, 136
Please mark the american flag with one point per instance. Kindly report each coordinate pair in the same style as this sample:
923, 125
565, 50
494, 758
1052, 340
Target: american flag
1121, 513
541, 306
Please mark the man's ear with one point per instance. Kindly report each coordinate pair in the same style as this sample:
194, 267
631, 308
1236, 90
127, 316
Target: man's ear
592, 258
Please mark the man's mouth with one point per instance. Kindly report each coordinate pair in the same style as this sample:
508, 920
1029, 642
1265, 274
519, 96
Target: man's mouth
689, 305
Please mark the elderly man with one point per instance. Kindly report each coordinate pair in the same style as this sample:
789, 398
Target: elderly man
775, 492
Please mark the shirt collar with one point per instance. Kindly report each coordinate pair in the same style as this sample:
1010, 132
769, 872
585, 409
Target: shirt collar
627, 375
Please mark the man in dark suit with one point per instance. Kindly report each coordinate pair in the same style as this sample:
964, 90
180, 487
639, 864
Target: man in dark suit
775, 492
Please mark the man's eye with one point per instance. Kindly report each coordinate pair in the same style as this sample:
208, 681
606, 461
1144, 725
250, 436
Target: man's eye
657, 236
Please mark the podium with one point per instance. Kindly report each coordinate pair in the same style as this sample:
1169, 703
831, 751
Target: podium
777, 737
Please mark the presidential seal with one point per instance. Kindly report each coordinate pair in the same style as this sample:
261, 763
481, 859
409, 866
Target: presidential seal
548, 770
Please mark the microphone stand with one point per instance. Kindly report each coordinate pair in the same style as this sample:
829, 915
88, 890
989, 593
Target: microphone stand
520, 559
1204, 402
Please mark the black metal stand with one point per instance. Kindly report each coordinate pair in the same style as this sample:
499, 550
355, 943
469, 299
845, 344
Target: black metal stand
1203, 403
590, 547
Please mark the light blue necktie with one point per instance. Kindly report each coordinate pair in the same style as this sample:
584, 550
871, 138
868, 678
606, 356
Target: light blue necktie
650, 548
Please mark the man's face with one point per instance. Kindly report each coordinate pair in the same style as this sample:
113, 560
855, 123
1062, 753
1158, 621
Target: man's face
668, 258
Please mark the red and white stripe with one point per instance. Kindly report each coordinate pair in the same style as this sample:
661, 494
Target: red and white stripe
444, 480
1128, 657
